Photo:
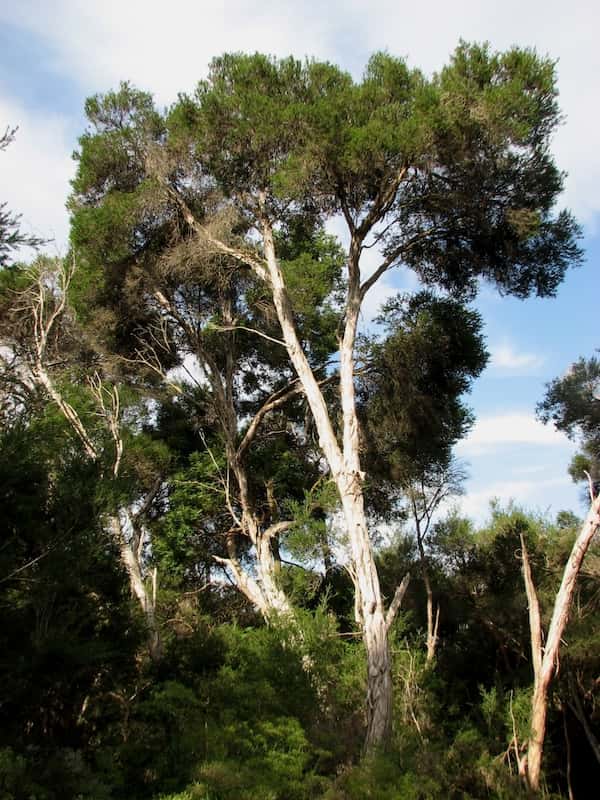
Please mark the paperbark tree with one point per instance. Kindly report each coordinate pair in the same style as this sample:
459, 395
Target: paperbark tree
449, 176
544, 655
170, 301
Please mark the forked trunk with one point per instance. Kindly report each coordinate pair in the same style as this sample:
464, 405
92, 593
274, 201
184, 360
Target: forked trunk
545, 659
275, 601
344, 464
146, 599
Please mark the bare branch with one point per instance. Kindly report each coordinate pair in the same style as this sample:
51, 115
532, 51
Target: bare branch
239, 255
249, 330
111, 415
275, 401
535, 622
397, 601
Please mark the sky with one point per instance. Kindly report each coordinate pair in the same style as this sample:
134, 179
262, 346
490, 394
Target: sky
53, 55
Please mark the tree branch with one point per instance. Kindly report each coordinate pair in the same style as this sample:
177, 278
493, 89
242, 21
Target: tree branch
535, 623
239, 255
397, 601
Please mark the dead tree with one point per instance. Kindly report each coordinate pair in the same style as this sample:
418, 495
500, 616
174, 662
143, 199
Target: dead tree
545, 657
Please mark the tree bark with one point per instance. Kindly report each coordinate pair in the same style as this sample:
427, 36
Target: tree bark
432, 625
147, 600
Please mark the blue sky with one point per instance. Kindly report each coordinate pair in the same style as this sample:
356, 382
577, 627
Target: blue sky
54, 55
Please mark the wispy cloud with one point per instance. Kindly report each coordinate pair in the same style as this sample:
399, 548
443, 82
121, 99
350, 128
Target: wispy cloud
505, 357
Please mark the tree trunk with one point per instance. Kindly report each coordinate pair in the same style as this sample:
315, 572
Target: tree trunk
537, 734
345, 469
432, 625
374, 627
146, 600
276, 601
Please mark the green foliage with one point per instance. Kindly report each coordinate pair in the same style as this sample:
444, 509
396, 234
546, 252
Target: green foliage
411, 394
571, 404
195, 499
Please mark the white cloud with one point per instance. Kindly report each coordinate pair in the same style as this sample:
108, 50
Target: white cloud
505, 357
514, 428
550, 494
35, 171
166, 47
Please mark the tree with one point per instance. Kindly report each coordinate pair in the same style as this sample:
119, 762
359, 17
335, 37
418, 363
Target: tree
39, 331
171, 303
572, 404
449, 176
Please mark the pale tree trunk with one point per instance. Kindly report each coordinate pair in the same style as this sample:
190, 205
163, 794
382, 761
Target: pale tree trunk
131, 560
545, 659
432, 623
262, 590
346, 472
129, 557
45, 316
374, 627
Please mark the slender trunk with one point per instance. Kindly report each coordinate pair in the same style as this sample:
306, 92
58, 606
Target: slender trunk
432, 624
44, 325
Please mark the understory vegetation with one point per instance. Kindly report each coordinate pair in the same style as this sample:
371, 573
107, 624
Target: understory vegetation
232, 709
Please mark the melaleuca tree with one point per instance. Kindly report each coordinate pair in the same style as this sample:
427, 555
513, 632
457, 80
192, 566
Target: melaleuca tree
160, 299
451, 177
